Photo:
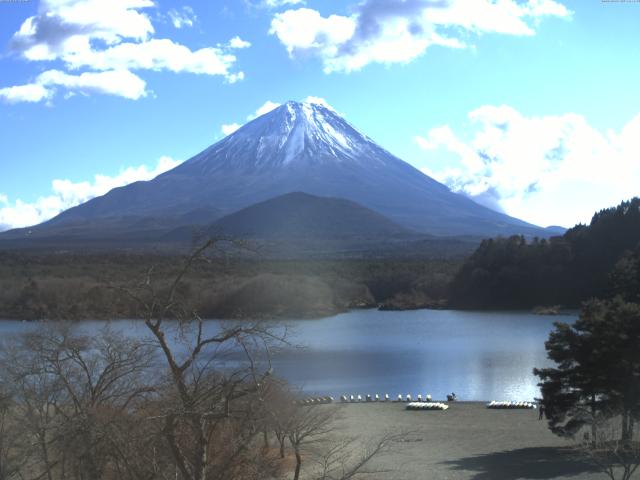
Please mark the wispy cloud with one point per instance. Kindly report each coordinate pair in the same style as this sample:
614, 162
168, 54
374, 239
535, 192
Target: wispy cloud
66, 194
554, 169
183, 17
398, 31
281, 3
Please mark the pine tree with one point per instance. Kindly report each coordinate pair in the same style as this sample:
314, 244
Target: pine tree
598, 369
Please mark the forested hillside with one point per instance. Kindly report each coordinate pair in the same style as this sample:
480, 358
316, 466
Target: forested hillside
587, 261
77, 287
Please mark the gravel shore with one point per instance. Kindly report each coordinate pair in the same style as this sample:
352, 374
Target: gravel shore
468, 441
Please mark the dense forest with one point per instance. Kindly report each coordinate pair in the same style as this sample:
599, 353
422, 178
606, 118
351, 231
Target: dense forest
74, 286
597, 260
601, 260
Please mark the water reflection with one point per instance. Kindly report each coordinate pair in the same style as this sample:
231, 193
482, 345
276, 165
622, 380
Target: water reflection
477, 355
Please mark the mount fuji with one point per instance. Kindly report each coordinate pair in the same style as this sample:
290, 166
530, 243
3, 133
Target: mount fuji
297, 147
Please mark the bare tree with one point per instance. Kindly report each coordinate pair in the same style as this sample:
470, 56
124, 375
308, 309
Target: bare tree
190, 400
35, 394
616, 455
11, 456
280, 407
308, 426
342, 461
71, 393
212, 413
314, 433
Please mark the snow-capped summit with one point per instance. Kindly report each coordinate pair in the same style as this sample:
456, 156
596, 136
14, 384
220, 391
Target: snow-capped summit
296, 132
298, 147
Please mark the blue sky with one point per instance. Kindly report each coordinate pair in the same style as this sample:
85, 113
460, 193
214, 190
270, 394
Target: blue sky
530, 107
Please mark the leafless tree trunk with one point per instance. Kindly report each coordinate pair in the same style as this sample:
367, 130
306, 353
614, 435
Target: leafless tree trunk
309, 425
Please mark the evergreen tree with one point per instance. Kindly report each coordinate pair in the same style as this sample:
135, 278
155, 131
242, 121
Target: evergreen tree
597, 373
516, 273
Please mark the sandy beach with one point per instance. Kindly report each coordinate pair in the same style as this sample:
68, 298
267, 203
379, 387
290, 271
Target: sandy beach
468, 441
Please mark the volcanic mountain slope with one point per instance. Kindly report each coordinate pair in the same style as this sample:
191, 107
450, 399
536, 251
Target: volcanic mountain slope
299, 225
298, 147
300, 215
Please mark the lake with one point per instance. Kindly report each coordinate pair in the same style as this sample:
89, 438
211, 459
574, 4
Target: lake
478, 355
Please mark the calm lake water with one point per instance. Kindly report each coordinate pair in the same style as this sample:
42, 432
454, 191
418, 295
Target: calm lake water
478, 355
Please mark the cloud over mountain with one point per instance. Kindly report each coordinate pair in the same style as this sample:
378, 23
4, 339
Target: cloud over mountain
398, 31
66, 194
553, 169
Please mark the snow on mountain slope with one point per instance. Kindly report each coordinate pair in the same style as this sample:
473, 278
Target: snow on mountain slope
292, 133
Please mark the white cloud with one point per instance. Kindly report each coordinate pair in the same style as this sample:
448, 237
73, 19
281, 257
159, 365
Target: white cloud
237, 42
155, 54
398, 31
554, 169
122, 83
306, 29
235, 77
319, 101
66, 194
32, 93
265, 108
230, 128
115, 82
185, 17
63, 26
114, 35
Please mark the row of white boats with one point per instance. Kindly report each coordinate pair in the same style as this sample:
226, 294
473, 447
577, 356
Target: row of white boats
417, 404
427, 406
511, 405
385, 398
315, 400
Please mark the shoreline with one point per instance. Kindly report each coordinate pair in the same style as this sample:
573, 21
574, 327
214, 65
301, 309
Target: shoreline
308, 316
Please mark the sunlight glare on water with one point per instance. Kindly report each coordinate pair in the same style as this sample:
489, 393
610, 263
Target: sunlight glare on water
478, 355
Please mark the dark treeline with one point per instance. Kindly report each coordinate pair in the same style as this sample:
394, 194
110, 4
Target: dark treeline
596, 260
73, 286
